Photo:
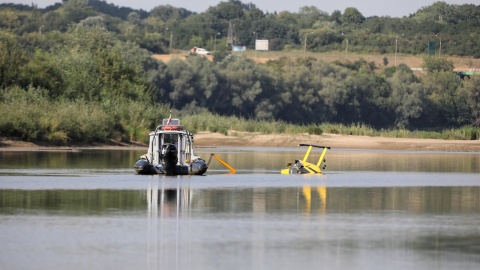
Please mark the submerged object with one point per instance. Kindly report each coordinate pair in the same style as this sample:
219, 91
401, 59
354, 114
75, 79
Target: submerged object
305, 167
170, 152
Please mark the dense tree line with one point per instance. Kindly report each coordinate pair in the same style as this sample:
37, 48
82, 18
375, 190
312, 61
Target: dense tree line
313, 91
103, 66
456, 27
90, 64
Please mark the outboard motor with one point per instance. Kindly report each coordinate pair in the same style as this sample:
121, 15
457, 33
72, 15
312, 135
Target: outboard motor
170, 158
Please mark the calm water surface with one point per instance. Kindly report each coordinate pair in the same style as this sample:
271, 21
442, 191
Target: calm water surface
370, 210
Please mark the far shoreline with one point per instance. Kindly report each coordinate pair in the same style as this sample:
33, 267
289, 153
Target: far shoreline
243, 139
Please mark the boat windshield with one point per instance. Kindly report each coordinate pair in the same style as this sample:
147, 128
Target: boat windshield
170, 138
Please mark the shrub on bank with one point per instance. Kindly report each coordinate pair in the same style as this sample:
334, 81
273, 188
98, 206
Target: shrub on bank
30, 116
222, 124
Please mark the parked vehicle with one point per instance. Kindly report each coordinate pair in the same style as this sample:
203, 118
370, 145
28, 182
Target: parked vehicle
202, 51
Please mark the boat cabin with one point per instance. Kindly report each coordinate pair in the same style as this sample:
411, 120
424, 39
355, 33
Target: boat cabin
170, 133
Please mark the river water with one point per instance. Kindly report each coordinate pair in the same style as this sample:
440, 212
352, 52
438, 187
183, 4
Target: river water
369, 210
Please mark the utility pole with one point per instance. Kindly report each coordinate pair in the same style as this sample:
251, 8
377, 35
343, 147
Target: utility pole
440, 48
255, 43
215, 43
346, 47
171, 40
396, 47
305, 45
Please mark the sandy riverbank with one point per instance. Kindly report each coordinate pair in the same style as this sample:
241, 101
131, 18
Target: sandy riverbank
335, 141
203, 139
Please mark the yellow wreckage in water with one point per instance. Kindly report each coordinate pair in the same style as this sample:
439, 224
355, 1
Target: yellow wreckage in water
305, 167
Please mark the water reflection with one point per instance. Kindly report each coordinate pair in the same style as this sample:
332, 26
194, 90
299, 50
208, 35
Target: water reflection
302, 219
405, 161
188, 225
304, 199
369, 211
345, 160
69, 159
266, 160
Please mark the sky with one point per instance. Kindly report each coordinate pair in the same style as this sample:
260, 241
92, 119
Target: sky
392, 8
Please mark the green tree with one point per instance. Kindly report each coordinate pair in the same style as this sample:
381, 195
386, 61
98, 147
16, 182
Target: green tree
183, 82
322, 38
471, 93
12, 58
370, 100
448, 107
42, 71
94, 67
77, 10
302, 97
408, 98
168, 13
436, 64
336, 16
192, 81
309, 15
9, 19
230, 10
334, 94
351, 15
385, 61
54, 21
240, 87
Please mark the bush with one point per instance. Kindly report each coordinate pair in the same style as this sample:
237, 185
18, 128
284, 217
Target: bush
314, 130
471, 133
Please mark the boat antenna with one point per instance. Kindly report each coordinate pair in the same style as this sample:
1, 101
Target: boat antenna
169, 118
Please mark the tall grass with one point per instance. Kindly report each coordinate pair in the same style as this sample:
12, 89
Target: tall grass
56, 122
354, 129
29, 115
463, 133
222, 124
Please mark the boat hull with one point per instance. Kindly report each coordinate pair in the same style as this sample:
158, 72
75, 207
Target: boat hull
198, 167
142, 166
